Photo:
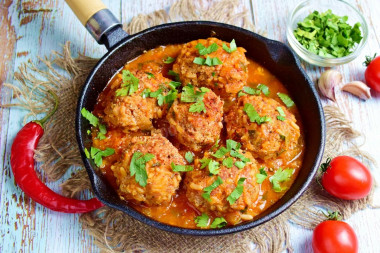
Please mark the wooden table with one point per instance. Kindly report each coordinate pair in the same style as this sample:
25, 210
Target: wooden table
34, 28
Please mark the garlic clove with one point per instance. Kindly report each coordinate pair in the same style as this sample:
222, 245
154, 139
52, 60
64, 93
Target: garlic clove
358, 89
327, 83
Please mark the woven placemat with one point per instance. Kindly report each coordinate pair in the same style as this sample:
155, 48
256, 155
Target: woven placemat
114, 231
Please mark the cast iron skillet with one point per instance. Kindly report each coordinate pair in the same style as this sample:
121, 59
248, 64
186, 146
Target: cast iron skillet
278, 58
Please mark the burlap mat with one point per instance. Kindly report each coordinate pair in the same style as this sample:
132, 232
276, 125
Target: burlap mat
114, 231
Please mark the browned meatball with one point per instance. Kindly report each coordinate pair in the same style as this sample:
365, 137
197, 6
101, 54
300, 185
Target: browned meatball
135, 112
198, 179
225, 79
162, 182
267, 140
197, 130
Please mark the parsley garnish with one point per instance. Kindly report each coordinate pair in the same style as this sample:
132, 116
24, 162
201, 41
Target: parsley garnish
233, 145
264, 89
213, 167
169, 60
205, 162
94, 121
218, 223
260, 177
137, 167
251, 91
255, 91
281, 112
181, 168
280, 176
285, 99
206, 50
98, 154
207, 191
328, 35
174, 85
237, 192
130, 84
87, 153
222, 151
202, 221
189, 156
254, 116
240, 164
146, 93
174, 74
150, 75
189, 95
232, 47
228, 162
208, 61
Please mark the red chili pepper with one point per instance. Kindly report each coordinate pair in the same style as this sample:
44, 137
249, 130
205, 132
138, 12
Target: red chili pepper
22, 163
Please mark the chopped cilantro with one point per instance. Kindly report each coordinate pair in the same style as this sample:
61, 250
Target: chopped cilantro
208, 61
189, 156
100, 136
169, 60
213, 74
260, 177
281, 112
206, 50
213, 167
240, 164
199, 60
174, 74
237, 192
236, 154
155, 94
222, 151
198, 106
285, 99
130, 84
328, 35
254, 116
189, 95
146, 93
205, 162
137, 167
174, 85
170, 97
87, 153
264, 89
280, 176
94, 121
181, 168
202, 221
98, 154
251, 91
150, 75
218, 223
241, 93
232, 47
233, 145
207, 191
228, 162
88, 131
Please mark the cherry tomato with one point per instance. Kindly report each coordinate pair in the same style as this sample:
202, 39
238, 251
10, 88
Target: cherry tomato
372, 73
334, 236
346, 178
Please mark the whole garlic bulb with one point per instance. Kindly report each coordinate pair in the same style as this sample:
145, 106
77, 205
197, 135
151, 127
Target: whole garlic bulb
327, 83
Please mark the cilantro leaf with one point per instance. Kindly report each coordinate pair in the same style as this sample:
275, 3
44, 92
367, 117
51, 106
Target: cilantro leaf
174, 74
281, 112
198, 106
146, 93
137, 167
280, 176
189, 156
174, 85
199, 60
150, 75
94, 121
87, 153
251, 91
155, 94
97, 155
241, 93
205, 162
285, 99
206, 50
130, 84
240, 164
189, 95
260, 177
213, 167
218, 223
202, 221
237, 192
181, 168
170, 97
236, 154
222, 151
264, 89
233, 145
216, 61
207, 191
209, 61
254, 116
228, 162
232, 47
169, 60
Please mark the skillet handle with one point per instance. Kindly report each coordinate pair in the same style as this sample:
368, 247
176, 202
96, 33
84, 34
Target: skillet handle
99, 21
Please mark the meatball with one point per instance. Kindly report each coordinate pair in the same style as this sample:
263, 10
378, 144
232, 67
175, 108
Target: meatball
197, 180
267, 140
135, 112
162, 182
224, 79
197, 130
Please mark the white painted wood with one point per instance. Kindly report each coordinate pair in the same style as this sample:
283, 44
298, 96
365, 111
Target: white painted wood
26, 227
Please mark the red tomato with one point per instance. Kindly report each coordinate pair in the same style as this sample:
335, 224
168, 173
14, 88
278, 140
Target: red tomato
347, 178
333, 236
372, 73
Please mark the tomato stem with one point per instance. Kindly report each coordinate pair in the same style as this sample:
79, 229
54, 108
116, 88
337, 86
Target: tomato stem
330, 215
369, 59
325, 165
44, 119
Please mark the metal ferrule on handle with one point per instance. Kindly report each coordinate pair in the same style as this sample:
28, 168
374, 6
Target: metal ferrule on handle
100, 23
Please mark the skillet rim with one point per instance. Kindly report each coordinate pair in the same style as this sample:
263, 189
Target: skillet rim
200, 232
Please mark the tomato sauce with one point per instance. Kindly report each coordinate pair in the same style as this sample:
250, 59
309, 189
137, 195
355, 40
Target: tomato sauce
180, 212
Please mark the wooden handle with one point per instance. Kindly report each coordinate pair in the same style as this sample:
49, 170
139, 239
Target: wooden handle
85, 9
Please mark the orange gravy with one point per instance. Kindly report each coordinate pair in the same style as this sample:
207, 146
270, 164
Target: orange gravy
180, 212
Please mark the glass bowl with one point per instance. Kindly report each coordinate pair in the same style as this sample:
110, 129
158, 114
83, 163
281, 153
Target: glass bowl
338, 7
